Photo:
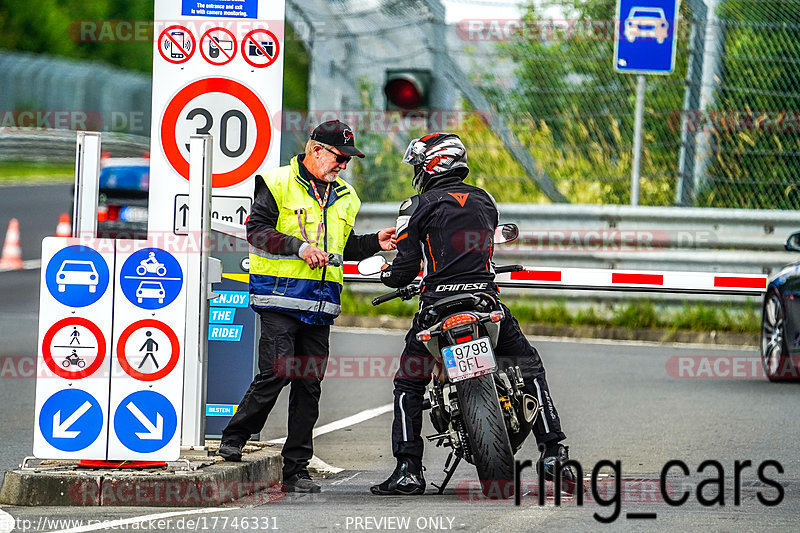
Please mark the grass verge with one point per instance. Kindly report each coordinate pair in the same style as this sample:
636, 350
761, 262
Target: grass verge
640, 314
20, 173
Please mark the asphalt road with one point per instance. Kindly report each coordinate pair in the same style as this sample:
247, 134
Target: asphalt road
618, 401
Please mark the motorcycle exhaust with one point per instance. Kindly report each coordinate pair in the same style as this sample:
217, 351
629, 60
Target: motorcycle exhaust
530, 408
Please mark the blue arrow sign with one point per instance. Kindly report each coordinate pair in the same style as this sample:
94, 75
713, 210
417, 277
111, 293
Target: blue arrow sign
145, 421
151, 278
77, 276
71, 420
645, 41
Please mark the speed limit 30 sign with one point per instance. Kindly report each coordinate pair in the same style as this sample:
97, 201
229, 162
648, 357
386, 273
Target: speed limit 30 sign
243, 130
229, 90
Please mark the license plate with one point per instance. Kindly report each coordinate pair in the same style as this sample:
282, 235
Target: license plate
469, 360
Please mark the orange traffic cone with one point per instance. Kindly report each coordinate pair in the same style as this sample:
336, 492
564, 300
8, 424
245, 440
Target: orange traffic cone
12, 253
64, 228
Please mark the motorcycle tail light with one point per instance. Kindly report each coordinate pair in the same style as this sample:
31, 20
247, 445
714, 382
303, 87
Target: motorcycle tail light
424, 335
496, 316
457, 320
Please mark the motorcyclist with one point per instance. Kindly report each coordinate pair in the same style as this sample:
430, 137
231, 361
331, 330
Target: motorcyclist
438, 227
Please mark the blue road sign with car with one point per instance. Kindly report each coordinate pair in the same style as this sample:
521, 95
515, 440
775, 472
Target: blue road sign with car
71, 420
151, 278
77, 276
645, 40
145, 421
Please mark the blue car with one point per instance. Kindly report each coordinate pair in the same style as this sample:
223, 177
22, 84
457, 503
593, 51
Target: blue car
122, 200
780, 321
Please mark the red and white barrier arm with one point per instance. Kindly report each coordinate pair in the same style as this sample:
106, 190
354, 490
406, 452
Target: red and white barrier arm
617, 280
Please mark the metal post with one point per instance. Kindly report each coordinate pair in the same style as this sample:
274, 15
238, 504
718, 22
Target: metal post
637, 139
690, 118
87, 181
199, 227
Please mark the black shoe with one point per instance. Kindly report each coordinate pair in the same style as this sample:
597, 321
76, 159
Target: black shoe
402, 481
557, 455
300, 482
230, 451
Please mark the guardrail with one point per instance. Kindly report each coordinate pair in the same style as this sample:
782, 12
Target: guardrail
635, 238
58, 146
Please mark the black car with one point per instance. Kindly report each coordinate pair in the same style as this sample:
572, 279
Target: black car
780, 321
122, 200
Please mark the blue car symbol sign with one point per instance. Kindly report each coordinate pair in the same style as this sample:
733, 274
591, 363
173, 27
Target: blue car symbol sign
77, 276
151, 278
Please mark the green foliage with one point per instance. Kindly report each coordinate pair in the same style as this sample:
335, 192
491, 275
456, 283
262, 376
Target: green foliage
638, 314
575, 113
756, 113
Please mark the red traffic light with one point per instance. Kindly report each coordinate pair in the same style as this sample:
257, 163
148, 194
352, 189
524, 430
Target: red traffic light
404, 93
406, 89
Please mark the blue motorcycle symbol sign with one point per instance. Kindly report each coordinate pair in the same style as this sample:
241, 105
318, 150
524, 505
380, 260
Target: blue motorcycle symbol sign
77, 276
151, 278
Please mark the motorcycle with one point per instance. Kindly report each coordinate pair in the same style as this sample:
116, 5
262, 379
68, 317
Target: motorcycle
151, 265
478, 410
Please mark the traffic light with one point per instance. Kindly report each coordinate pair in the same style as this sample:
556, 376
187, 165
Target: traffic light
407, 90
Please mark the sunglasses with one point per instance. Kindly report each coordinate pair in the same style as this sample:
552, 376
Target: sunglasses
339, 157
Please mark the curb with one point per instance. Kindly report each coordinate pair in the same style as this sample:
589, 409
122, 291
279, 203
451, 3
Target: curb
211, 481
726, 338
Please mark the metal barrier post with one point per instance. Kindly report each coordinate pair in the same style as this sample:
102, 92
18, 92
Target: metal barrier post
87, 181
199, 225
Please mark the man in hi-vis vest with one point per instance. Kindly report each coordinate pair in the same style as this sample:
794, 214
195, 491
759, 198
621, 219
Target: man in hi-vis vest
300, 230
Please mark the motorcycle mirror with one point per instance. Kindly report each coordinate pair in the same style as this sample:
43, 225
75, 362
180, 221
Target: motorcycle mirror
505, 233
371, 265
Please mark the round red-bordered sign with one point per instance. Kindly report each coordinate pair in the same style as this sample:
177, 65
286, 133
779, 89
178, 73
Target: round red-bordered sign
249, 43
253, 103
174, 346
176, 37
224, 55
74, 321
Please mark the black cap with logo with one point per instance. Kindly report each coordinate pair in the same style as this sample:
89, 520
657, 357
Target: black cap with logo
337, 134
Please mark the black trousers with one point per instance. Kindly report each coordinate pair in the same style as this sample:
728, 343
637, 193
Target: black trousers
290, 352
513, 349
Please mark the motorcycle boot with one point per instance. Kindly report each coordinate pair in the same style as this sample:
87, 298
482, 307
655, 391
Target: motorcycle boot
405, 480
553, 458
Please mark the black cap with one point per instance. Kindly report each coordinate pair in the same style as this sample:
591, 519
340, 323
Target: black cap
337, 134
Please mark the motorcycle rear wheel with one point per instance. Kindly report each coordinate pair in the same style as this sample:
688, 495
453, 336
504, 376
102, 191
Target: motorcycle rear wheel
489, 442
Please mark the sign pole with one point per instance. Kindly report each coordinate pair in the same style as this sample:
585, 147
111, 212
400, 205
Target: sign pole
87, 180
637, 139
199, 228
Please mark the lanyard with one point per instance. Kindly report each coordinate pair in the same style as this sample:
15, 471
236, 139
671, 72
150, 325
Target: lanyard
321, 226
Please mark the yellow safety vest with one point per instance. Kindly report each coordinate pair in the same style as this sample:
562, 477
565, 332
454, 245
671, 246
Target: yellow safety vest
286, 283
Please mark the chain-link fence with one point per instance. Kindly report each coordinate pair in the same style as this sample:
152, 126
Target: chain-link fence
534, 95
720, 131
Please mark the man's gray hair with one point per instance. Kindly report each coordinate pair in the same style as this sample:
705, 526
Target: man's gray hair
311, 143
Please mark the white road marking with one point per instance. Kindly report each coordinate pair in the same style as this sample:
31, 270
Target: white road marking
345, 422
6, 522
340, 481
116, 524
318, 464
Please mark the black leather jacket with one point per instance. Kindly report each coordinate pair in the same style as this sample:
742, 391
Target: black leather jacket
449, 230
